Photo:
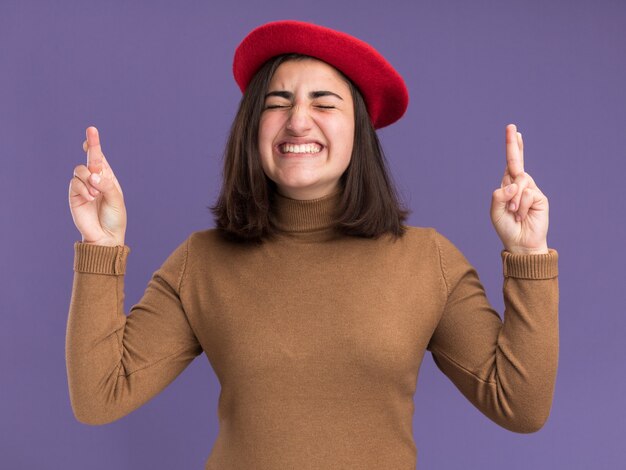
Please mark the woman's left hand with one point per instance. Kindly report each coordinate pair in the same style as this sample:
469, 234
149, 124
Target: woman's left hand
519, 210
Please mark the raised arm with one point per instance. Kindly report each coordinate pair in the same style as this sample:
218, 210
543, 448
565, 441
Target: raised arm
116, 363
507, 369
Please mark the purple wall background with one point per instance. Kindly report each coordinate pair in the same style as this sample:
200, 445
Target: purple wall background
156, 80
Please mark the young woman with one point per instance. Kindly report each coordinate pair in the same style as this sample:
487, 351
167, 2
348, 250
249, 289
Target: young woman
311, 298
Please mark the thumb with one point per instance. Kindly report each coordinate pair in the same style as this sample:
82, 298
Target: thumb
107, 187
503, 195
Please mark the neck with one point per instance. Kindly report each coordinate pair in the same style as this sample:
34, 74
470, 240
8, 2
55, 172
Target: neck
311, 219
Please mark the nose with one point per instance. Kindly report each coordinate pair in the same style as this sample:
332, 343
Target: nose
299, 120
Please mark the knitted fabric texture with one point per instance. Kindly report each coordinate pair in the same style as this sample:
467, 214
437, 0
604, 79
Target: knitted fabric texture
316, 338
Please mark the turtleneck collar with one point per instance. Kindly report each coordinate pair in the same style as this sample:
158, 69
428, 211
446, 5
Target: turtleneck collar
306, 218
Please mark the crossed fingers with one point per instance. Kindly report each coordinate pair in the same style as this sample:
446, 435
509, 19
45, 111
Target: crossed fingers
96, 161
527, 190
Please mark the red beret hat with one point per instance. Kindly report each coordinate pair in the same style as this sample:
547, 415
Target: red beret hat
382, 87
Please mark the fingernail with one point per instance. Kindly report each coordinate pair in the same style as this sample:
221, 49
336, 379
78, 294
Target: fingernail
512, 206
518, 217
95, 178
509, 188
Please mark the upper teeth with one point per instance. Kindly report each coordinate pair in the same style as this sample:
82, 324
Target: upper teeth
303, 148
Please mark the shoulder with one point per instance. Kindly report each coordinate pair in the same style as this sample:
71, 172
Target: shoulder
434, 238
450, 258
207, 240
209, 245
420, 233
203, 236
421, 245
423, 237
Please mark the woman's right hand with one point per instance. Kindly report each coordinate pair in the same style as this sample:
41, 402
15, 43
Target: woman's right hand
97, 208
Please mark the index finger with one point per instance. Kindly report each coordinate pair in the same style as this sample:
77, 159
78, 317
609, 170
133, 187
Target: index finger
94, 150
514, 161
105, 164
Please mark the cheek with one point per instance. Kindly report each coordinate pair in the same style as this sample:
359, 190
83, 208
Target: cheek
262, 132
265, 144
268, 126
345, 135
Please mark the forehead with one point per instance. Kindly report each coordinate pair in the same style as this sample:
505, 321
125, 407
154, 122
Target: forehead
306, 71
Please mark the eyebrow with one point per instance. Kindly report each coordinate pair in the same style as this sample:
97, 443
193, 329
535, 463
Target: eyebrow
313, 94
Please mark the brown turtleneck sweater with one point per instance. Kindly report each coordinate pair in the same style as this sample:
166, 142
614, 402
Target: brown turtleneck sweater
316, 338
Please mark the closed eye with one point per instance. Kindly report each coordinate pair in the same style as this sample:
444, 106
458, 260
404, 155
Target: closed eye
272, 106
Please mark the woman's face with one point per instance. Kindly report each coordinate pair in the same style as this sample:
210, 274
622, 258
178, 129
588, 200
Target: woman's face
306, 130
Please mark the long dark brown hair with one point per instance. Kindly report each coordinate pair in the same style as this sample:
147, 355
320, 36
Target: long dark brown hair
369, 205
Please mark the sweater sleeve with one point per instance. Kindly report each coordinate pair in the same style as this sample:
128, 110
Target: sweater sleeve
117, 362
507, 369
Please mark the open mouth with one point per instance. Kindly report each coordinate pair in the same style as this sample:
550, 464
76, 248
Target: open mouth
312, 148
